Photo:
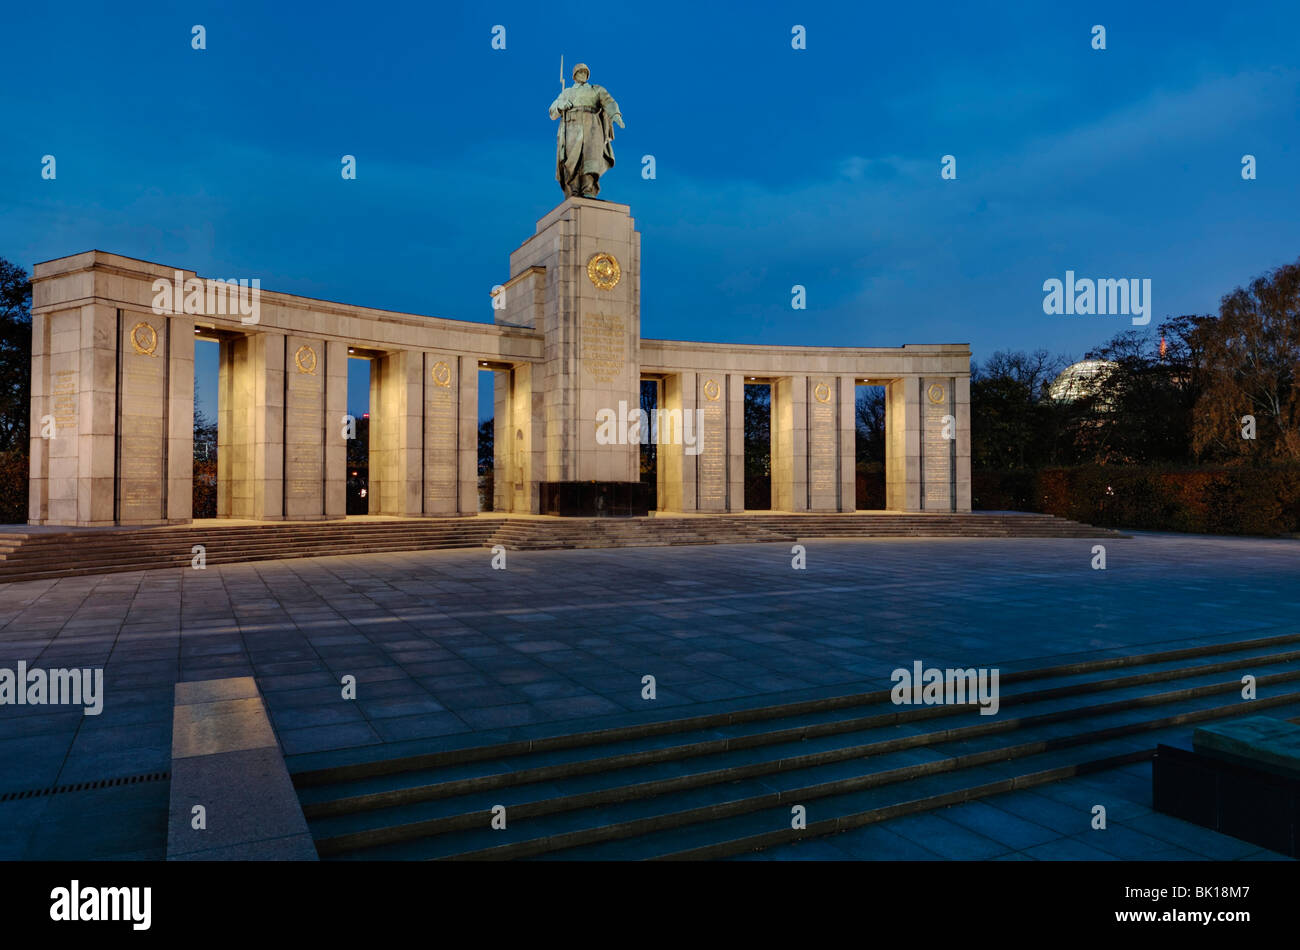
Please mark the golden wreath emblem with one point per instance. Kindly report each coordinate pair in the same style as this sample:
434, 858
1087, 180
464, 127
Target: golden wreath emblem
603, 271
144, 339
305, 359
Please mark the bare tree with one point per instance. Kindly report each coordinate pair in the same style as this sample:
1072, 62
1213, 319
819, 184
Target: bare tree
1034, 371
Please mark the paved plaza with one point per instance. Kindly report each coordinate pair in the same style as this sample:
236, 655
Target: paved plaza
447, 650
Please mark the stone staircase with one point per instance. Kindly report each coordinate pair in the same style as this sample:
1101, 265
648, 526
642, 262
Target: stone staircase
723, 784
104, 551
537, 534
43, 555
520, 534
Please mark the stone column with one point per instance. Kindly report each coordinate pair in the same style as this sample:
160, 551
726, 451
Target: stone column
396, 424
711, 481
735, 442
938, 444
848, 443
305, 434
39, 435
441, 390
903, 444
250, 454
96, 420
336, 446
822, 398
677, 461
74, 422
521, 448
450, 446
502, 435
961, 405
232, 453
180, 421
467, 450
269, 356
143, 476
790, 443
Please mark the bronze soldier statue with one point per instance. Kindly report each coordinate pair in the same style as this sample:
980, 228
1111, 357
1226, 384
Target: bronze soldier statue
584, 147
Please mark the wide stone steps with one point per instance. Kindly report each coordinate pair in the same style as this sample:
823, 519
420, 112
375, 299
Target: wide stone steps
641, 532
64, 554
108, 551
723, 529
707, 785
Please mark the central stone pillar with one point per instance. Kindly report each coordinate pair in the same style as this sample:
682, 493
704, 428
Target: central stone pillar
578, 281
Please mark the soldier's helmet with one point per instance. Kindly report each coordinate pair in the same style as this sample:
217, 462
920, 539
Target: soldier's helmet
581, 68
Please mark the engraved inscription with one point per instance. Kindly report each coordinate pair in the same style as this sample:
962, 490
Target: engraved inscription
937, 451
63, 404
821, 447
604, 346
440, 446
141, 439
303, 432
713, 459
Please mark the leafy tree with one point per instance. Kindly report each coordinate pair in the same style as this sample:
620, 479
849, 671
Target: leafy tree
15, 357
1252, 367
1143, 413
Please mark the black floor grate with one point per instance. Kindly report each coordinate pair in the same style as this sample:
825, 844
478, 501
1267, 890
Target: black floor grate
86, 786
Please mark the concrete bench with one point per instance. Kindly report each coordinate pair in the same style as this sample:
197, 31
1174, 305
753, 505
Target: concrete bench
225, 757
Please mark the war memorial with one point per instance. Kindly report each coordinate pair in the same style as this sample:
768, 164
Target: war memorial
113, 389
702, 702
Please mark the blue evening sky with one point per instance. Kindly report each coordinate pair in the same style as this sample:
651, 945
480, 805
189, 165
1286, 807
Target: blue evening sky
775, 167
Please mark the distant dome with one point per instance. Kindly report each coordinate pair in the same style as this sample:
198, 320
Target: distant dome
1081, 380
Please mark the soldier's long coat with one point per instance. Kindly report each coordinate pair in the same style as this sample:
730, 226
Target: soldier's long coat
584, 142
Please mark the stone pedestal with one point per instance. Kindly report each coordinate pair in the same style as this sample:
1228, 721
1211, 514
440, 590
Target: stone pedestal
577, 281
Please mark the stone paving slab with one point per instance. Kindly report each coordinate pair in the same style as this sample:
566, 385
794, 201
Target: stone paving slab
448, 652
226, 761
